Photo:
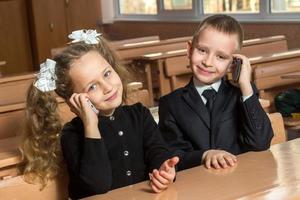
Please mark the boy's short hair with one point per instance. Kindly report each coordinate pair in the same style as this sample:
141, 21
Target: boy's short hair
223, 23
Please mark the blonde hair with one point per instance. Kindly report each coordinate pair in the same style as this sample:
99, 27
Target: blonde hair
223, 23
41, 142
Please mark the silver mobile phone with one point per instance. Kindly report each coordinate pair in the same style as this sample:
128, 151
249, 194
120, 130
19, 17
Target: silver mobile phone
92, 106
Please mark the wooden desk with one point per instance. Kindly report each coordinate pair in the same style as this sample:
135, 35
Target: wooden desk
272, 174
294, 75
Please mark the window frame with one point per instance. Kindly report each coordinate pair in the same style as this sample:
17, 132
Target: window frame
196, 14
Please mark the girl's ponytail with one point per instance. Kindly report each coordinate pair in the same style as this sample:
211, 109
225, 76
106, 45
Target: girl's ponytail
41, 145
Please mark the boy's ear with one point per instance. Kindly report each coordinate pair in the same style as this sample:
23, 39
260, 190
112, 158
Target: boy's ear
189, 48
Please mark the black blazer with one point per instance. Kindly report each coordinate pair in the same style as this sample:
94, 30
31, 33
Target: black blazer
236, 126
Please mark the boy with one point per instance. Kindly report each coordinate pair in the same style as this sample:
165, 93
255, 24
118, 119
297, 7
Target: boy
209, 120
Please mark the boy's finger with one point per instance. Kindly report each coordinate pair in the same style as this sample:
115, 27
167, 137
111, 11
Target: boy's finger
208, 163
229, 160
222, 162
215, 163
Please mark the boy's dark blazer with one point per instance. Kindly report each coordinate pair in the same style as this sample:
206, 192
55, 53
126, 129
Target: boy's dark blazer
236, 126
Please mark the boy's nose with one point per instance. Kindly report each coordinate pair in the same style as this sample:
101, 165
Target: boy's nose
207, 61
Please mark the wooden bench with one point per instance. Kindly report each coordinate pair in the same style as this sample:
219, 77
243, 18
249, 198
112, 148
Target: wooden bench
13, 89
132, 42
269, 70
265, 45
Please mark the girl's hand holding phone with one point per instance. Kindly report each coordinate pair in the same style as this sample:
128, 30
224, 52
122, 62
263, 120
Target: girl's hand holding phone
81, 106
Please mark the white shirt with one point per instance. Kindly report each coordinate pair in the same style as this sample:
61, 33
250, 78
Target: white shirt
200, 87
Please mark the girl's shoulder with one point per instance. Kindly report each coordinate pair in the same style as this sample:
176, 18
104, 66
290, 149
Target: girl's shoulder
74, 128
137, 108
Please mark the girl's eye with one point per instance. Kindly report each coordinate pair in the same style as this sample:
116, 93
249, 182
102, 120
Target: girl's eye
92, 87
107, 73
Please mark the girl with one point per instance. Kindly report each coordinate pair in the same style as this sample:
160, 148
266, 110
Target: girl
117, 147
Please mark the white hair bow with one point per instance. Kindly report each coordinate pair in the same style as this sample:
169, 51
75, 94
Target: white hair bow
46, 77
86, 36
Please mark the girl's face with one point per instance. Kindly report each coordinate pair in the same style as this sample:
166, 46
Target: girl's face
93, 75
211, 56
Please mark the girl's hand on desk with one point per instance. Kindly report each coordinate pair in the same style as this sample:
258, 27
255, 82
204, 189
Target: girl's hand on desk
162, 178
218, 159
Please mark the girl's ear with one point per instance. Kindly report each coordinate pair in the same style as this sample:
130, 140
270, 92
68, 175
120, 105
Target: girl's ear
189, 49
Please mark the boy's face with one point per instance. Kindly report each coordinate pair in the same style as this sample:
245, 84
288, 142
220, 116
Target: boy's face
211, 56
93, 75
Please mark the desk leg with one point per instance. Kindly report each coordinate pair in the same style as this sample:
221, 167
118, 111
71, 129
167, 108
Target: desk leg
149, 82
163, 81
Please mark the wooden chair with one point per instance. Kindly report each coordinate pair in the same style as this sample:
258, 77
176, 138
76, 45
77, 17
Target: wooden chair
178, 71
278, 128
136, 93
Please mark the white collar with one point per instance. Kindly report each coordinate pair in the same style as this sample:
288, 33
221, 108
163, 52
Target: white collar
200, 87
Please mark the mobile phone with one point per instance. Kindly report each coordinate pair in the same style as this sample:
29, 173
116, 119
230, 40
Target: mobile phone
237, 65
92, 106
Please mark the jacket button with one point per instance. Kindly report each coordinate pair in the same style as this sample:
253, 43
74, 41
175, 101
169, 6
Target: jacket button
128, 173
112, 118
126, 153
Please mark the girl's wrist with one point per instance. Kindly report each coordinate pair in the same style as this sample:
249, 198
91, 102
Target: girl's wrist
92, 131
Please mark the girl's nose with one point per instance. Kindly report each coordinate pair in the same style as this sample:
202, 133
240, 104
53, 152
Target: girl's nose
107, 87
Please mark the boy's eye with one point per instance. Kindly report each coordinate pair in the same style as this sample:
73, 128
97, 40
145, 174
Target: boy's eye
106, 74
201, 50
221, 57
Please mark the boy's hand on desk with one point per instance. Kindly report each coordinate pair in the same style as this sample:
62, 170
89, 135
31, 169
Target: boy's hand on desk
162, 178
218, 159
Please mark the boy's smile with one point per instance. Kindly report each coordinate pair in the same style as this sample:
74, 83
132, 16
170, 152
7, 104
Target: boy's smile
211, 56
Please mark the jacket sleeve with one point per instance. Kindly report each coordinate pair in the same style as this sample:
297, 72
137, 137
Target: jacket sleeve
189, 157
155, 148
256, 127
87, 162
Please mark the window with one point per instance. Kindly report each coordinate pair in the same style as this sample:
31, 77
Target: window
189, 10
178, 5
134, 7
217, 6
285, 6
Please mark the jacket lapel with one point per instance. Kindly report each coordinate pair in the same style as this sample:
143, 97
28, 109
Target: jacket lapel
193, 99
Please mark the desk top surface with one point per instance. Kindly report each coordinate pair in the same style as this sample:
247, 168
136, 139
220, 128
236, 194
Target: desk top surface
272, 174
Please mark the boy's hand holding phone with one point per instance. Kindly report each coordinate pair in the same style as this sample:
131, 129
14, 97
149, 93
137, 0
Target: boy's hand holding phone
241, 73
